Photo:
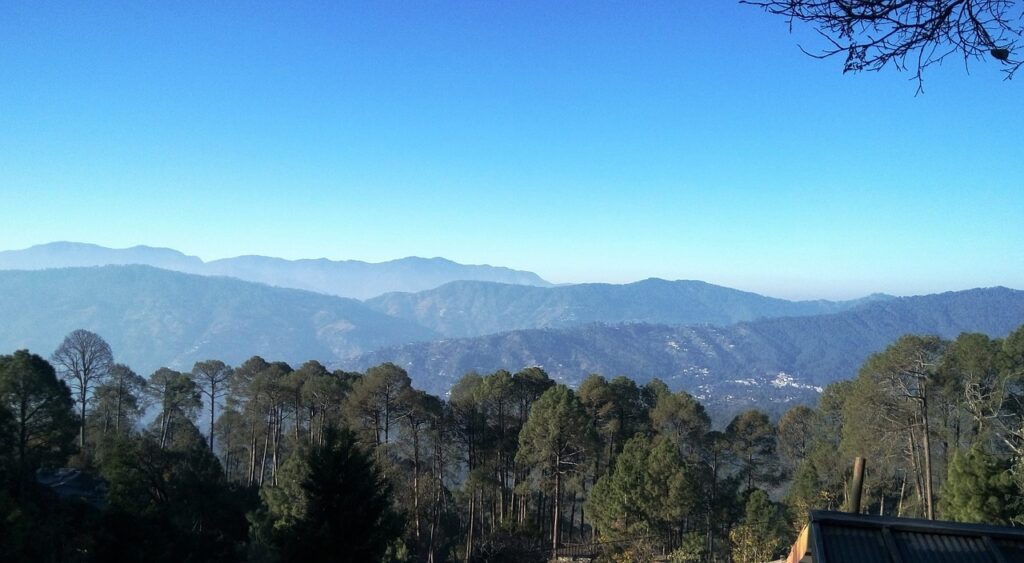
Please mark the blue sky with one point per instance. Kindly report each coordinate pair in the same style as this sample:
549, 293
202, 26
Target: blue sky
590, 141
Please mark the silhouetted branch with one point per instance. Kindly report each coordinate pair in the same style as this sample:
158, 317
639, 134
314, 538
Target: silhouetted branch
909, 34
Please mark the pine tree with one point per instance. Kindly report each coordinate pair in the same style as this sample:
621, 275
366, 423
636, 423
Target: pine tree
38, 408
980, 488
650, 491
556, 438
348, 506
761, 536
752, 437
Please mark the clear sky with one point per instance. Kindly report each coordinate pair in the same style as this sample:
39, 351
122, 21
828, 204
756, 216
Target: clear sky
585, 141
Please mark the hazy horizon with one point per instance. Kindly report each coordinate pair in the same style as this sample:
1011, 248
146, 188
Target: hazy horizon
556, 283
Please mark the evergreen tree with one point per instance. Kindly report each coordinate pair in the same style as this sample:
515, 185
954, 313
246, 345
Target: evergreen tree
173, 499
650, 491
761, 536
597, 397
272, 390
795, 434
556, 439
752, 438
348, 506
680, 417
178, 398
245, 396
40, 421
324, 394
424, 410
119, 401
376, 402
212, 378
981, 488
497, 399
895, 395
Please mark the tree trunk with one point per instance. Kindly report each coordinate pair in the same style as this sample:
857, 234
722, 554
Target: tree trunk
572, 516
311, 434
436, 509
163, 428
469, 532
387, 420
714, 500
916, 467
582, 509
541, 512
899, 507
81, 430
556, 516
213, 393
524, 507
263, 462
117, 421
927, 454
376, 428
22, 439
320, 430
416, 483
252, 454
278, 415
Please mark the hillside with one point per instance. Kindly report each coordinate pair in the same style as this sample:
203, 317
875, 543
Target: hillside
362, 280
778, 360
154, 317
343, 278
80, 255
471, 308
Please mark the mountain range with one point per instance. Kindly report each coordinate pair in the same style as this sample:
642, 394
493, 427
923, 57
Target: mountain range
473, 308
780, 360
730, 348
344, 278
154, 318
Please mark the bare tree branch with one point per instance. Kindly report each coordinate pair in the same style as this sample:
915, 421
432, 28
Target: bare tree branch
909, 34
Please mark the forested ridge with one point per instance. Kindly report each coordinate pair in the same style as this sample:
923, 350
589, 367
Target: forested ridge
265, 461
770, 364
476, 308
158, 318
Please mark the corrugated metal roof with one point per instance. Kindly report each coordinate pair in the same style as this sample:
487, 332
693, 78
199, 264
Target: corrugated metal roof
1014, 551
839, 537
919, 547
852, 544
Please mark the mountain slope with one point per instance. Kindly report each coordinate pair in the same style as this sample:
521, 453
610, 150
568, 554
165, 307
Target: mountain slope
362, 280
154, 317
779, 360
470, 308
79, 255
344, 278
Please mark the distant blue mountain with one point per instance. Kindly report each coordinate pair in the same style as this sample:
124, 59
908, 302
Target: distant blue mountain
730, 348
345, 278
153, 317
77, 255
473, 308
362, 280
765, 362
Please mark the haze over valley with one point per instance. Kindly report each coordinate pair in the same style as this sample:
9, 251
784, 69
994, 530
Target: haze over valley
731, 349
